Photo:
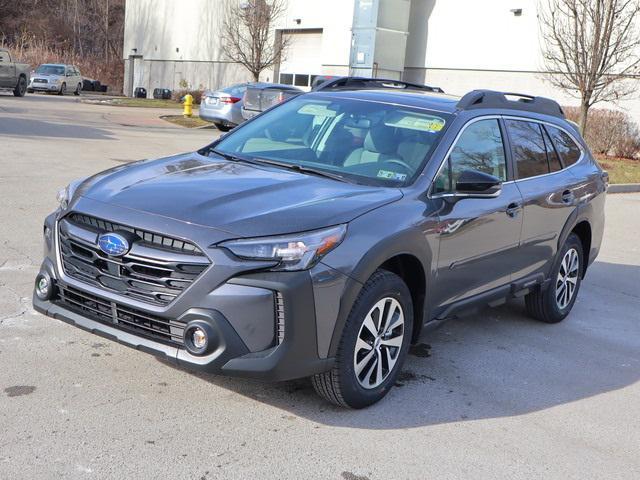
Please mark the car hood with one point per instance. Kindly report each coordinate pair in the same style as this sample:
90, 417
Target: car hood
46, 76
238, 198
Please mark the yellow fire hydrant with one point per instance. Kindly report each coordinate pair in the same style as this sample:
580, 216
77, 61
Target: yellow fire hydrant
188, 105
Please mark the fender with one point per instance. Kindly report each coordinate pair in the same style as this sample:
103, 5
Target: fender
581, 213
406, 242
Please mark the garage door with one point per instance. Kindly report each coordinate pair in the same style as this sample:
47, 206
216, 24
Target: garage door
303, 59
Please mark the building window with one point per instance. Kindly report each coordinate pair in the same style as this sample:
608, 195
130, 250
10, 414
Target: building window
301, 80
286, 78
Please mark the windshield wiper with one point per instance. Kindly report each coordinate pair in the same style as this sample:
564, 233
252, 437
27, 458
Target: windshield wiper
302, 169
275, 163
231, 157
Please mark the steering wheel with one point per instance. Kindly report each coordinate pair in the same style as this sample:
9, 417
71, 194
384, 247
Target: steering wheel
396, 161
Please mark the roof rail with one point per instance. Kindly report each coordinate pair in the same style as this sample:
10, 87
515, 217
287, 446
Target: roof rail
493, 99
355, 83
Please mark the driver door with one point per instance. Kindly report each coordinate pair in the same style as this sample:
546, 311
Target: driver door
479, 235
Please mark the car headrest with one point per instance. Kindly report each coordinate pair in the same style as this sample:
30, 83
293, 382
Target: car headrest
381, 139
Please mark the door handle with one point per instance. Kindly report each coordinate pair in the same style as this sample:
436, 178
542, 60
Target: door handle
513, 209
568, 197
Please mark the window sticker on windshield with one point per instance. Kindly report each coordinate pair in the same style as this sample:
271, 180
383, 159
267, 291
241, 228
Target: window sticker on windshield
387, 175
414, 121
317, 110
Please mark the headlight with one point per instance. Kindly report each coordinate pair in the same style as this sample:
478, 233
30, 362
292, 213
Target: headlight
293, 252
65, 195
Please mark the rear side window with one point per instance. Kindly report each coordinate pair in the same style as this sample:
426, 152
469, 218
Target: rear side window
4, 57
566, 147
528, 148
480, 147
552, 156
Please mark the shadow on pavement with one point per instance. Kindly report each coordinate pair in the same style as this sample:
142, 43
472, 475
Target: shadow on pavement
40, 128
497, 363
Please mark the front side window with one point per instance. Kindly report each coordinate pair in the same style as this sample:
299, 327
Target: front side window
528, 148
4, 57
480, 147
365, 142
567, 148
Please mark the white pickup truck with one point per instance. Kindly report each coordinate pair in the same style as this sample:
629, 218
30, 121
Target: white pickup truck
13, 76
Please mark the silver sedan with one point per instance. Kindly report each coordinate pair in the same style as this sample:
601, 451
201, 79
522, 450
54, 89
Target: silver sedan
224, 107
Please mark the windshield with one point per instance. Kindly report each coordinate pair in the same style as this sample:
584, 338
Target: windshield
364, 141
50, 70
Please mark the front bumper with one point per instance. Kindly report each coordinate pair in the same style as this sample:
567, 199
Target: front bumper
241, 310
44, 87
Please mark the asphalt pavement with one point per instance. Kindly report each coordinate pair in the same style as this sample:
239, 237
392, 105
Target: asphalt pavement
491, 396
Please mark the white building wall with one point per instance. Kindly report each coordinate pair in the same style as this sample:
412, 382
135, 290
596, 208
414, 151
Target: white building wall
178, 41
462, 45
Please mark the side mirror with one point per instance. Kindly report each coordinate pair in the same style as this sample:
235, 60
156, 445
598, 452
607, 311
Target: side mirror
478, 184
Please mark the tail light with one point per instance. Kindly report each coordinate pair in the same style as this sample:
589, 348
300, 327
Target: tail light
230, 99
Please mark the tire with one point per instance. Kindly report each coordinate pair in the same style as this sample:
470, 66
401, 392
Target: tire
78, 89
222, 127
553, 304
342, 386
21, 87
63, 89
29, 90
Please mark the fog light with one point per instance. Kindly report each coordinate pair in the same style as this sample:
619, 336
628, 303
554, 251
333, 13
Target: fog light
199, 338
44, 287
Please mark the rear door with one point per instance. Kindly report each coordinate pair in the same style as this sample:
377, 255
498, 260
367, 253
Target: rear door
478, 237
7, 73
547, 187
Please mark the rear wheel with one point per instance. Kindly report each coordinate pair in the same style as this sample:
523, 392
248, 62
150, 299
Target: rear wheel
222, 127
554, 304
374, 344
21, 87
63, 89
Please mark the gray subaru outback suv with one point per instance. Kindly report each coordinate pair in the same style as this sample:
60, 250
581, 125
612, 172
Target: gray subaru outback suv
317, 239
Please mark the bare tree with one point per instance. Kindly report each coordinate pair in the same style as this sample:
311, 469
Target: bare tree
591, 49
248, 37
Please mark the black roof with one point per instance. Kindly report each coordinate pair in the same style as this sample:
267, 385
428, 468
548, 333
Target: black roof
474, 100
410, 98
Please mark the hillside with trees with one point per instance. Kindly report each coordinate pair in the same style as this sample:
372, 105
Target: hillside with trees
86, 33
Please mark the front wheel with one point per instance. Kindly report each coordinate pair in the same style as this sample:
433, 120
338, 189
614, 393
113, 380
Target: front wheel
374, 344
21, 87
63, 89
78, 89
222, 127
554, 303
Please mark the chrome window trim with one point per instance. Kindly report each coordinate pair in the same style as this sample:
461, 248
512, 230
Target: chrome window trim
431, 195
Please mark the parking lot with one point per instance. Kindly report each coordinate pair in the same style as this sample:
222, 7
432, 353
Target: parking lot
493, 395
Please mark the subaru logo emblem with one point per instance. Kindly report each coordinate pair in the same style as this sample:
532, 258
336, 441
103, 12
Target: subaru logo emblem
113, 244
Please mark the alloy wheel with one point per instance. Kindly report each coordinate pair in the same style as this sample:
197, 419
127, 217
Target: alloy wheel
379, 342
567, 280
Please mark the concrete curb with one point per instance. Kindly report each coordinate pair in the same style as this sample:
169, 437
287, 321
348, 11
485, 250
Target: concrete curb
624, 188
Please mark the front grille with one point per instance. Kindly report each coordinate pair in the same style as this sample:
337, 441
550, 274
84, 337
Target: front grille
153, 239
40, 80
120, 316
151, 272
